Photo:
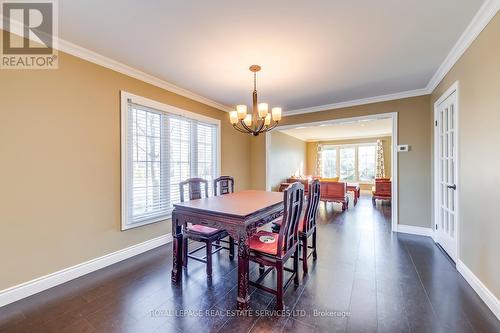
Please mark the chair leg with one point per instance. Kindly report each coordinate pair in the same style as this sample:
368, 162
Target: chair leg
304, 254
185, 251
315, 254
209, 258
280, 305
262, 269
231, 248
296, 267
373, 201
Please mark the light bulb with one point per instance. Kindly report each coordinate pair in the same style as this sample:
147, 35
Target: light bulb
242, 111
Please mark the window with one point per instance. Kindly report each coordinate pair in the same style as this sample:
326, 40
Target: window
366, 163
329, 161
162, 146
348, 164
352, 163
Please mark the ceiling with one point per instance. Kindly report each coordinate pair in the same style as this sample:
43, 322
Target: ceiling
342, 131
312, 52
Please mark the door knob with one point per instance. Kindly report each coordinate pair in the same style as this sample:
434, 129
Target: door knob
453, 187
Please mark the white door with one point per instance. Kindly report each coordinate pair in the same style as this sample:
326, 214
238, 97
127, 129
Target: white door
446, 174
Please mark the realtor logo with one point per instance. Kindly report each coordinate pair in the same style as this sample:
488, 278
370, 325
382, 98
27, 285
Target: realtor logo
28, 35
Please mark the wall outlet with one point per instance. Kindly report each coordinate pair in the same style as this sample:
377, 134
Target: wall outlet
403, 148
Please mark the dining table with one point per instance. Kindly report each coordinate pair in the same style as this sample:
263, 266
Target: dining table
239, 213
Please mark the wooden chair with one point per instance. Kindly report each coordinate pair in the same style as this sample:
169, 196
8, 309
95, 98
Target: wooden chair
201, 233
281, 247
383, 190
333, 191
223, 185
307, 226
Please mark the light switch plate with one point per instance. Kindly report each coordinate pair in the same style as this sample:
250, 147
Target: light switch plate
403, 148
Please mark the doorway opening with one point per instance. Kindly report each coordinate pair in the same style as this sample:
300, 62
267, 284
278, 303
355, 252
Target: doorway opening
359, 151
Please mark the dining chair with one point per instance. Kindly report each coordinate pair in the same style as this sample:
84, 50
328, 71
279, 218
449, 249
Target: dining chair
197, 189
225, 185
274, 249
307, 224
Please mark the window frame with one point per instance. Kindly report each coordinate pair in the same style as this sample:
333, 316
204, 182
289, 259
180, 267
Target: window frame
155, 106
356, 146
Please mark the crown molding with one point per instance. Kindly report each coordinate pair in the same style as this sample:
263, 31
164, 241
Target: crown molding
480, 20
98, 59
362, 101
483, 16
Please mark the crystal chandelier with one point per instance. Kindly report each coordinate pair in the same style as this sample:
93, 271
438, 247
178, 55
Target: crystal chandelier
260, 121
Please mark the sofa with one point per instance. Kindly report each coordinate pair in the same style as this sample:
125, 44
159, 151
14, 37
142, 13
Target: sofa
334, 191
331, 190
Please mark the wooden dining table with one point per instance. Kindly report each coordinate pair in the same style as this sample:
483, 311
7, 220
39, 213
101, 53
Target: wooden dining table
239, 213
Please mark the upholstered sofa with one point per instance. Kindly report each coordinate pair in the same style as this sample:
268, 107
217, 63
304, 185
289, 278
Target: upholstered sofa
334, 191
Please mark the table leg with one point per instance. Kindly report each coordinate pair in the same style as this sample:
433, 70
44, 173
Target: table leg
243, 273
177, 248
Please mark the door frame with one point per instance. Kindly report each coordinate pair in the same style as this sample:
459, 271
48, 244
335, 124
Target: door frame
394, 157
454, 88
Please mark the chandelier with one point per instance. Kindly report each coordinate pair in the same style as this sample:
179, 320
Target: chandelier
260, 120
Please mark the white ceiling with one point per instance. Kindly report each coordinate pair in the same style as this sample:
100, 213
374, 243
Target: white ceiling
342, 131
312, 52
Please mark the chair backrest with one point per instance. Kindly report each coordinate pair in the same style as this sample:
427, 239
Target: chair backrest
383, 187
223, 185
312, 205
293, 200
195, 190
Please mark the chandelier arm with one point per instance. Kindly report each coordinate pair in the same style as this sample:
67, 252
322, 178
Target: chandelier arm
235, 126
246, 127
261, 126
268, 128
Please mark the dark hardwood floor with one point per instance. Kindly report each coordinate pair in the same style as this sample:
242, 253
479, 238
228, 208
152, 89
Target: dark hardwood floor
366, 279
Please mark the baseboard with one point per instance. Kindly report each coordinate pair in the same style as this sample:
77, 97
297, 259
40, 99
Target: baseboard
484, 293
42, 283
410, 229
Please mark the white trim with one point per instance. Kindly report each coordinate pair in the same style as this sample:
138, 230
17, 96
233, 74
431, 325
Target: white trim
150, 103
483, 16
480, 20
136, 99
382, 135
394, 173
484, 293
452, 89
375, 116
96, 58
394, 159
362, 101
411, 229
42, 283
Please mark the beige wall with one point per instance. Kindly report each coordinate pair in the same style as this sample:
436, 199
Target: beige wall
312, 152
287, 158
414, 128
478, 74
60, 165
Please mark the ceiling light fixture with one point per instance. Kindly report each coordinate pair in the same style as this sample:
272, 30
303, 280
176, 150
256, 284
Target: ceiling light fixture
260, 121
